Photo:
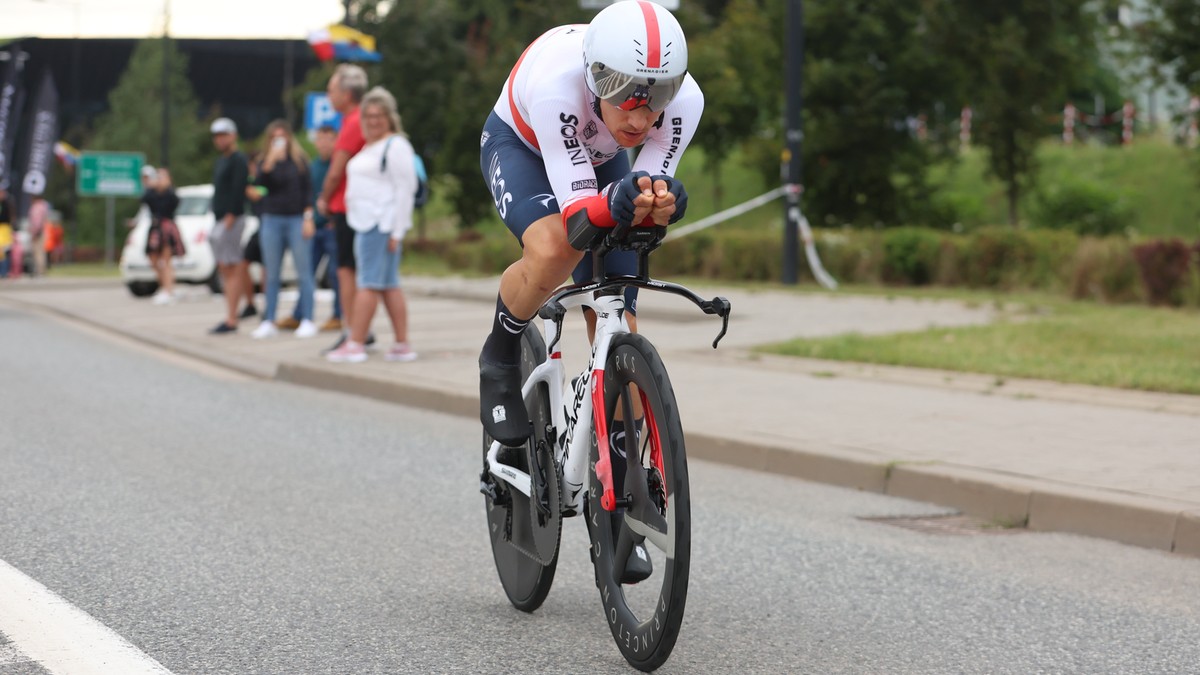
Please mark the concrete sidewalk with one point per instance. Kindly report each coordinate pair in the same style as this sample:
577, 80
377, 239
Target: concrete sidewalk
1117, 464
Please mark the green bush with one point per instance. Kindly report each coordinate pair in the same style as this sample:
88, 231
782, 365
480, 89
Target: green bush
910, 255
950, 261
1164, 267
487, 255
851, 256
1053, 252
1080, 207
1104, 269
1190, 293
997, 257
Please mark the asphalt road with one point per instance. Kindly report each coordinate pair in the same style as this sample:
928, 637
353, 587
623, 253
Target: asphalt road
228, 525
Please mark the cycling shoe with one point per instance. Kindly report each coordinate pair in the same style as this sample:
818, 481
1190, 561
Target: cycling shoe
638, 566
501, 408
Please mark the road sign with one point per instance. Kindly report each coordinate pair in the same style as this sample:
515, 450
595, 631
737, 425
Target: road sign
319, 112
109, 174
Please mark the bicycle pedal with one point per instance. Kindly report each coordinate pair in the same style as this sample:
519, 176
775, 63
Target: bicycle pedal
488, 487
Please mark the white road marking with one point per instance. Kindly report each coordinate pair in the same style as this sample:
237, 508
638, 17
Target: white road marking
49, 631
11, 656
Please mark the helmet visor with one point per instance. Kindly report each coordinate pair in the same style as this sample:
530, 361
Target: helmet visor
627, 92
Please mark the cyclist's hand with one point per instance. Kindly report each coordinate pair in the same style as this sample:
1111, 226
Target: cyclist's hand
645, 201
628, 201
670, 200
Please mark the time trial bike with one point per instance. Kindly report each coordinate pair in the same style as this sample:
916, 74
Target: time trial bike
622, 401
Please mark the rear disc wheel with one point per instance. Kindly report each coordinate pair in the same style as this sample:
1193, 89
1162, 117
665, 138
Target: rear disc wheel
525, 535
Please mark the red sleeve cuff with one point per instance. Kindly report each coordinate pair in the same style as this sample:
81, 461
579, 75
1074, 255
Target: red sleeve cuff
597, 209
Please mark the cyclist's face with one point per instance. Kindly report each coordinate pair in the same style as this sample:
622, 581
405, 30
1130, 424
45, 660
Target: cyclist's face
629, 127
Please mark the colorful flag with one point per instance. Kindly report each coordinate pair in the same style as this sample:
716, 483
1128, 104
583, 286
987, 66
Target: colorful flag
344, 44
66, 153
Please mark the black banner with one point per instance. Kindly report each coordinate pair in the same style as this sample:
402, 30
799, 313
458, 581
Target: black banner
10, 106
41, 134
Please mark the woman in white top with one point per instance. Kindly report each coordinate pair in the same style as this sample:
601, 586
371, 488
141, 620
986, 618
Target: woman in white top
381, 182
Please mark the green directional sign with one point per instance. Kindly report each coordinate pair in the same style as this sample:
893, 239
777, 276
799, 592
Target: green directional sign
109, 174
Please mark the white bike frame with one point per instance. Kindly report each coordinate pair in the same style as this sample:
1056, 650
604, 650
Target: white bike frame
573, 423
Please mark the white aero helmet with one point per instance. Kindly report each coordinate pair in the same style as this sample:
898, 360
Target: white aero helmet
635, 54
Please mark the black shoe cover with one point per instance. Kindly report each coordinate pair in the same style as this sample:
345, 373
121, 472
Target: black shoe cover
638, 567
501, 408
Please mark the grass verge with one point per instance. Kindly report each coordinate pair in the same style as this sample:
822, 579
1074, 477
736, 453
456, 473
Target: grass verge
1129, 347
84, 270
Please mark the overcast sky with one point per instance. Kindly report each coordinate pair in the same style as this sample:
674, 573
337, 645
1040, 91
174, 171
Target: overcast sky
189, 18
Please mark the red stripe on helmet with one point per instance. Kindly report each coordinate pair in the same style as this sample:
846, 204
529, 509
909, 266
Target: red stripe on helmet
653, 39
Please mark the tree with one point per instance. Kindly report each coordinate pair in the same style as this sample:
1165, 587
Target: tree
737, 66
446, 62
1016, 61
133, 123
1174, 37
869, 72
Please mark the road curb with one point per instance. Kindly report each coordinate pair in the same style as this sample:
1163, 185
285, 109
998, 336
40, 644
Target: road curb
1005, 499
993, 497
1130, 519
1187, 534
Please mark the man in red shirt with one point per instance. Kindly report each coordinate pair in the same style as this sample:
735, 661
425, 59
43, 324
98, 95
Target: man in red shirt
345, 89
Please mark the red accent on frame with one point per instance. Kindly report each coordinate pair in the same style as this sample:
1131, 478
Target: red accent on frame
656, 458
600, 425
556, 355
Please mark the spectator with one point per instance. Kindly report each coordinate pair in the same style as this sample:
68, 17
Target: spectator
286, 223
6, 233
39, 218
163, 241
380, 187
54, 240
252, 251
229, 194
324, 239
345, 89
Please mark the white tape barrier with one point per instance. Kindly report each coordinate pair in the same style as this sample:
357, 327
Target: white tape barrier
810, 250
722, 216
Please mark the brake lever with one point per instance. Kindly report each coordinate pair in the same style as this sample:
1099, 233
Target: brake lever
721, 307
554, 311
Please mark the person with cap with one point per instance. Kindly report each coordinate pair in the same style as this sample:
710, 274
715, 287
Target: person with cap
230, 174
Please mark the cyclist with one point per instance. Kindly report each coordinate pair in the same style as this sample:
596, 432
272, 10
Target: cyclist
553, 156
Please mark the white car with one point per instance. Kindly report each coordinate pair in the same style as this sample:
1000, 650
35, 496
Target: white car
195, 220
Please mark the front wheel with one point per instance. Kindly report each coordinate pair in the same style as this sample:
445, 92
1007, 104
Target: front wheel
644, 615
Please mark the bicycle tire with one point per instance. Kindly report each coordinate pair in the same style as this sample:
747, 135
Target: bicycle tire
526, 574
645, 640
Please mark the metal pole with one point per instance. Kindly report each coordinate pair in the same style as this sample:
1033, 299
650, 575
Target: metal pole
164, 157
109, 229
288, 74
793, 135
